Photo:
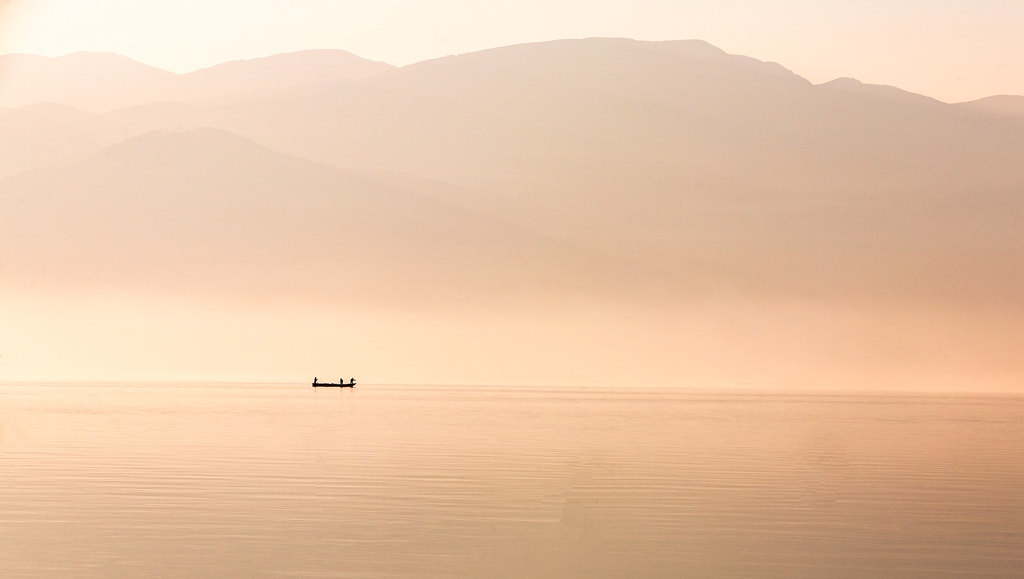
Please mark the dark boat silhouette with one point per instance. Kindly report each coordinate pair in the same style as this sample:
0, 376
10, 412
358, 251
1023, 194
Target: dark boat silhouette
340, 384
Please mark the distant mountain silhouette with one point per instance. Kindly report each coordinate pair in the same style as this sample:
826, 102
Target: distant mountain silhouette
100, 82
673, 156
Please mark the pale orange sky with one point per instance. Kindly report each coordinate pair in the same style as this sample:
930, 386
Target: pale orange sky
950, 50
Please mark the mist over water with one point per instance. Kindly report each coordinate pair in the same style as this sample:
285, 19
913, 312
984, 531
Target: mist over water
207, 480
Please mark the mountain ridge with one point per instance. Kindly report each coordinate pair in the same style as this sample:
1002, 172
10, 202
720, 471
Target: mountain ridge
101, 82
1010, 105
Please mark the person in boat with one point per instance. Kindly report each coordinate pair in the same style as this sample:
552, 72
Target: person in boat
353, 382
314, 379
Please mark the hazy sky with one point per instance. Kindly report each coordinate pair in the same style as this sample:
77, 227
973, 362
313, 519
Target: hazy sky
952, 50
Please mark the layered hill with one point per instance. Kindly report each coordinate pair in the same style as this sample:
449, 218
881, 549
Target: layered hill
205, 211
46, 135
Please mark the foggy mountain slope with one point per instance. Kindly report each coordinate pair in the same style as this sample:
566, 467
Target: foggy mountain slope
205, 211
607, 120
100, 82
624, 125
501, 116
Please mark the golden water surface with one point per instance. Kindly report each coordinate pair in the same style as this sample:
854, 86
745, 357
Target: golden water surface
222, 481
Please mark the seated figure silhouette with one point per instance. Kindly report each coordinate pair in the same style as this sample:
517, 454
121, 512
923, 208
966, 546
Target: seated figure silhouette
353, 381
314, 379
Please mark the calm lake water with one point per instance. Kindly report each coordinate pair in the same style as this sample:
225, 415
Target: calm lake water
227, 481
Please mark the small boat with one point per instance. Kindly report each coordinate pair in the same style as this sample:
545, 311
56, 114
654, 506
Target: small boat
341, 384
